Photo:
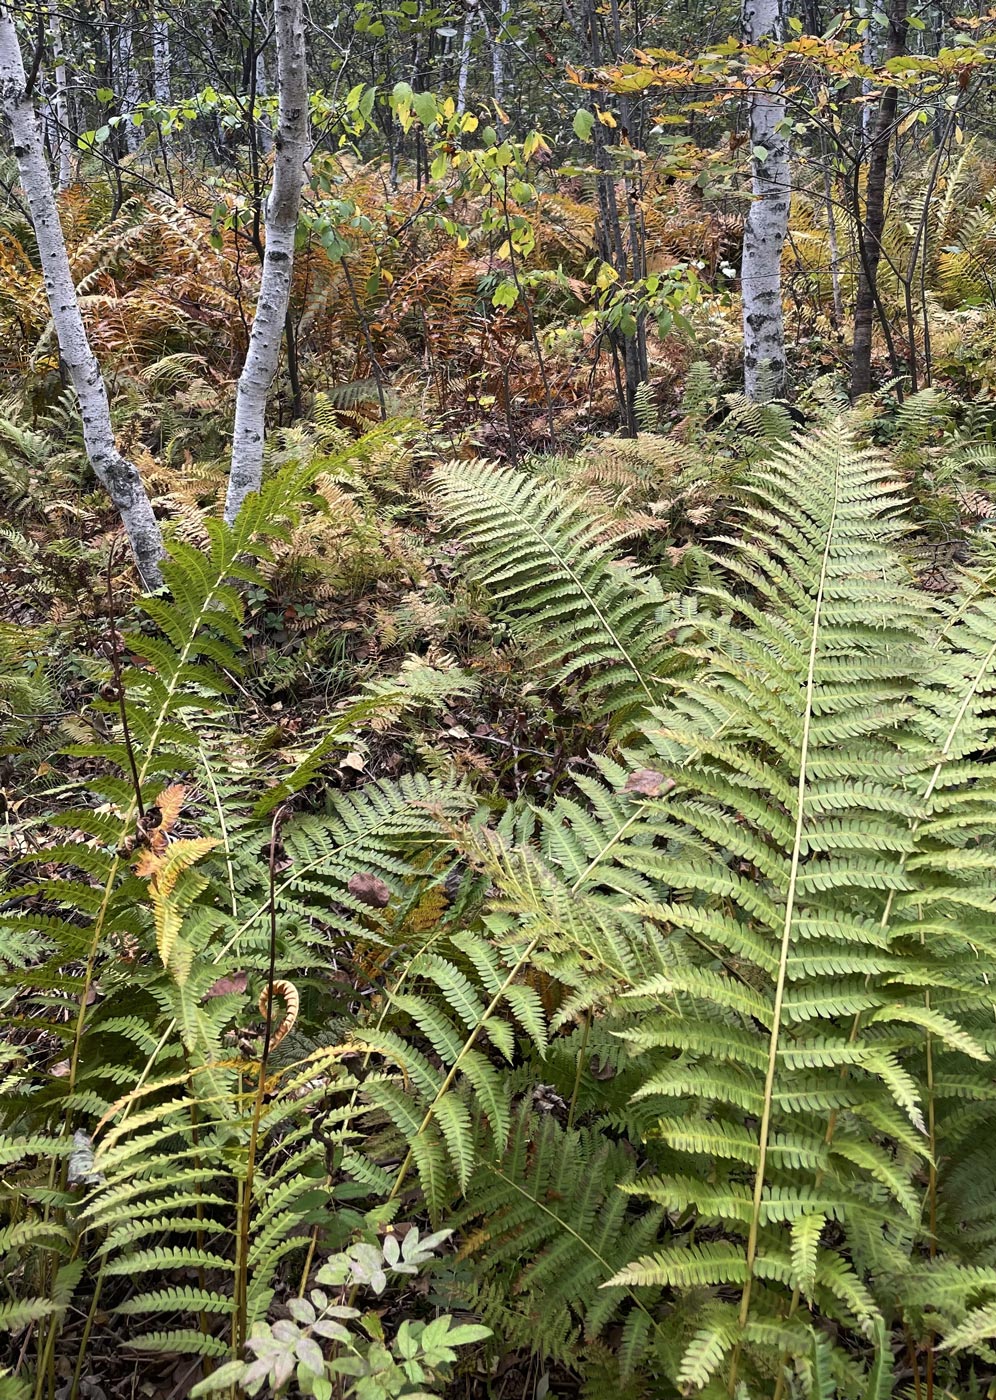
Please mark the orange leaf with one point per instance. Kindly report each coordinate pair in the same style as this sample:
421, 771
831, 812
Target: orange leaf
170, 802
148, 864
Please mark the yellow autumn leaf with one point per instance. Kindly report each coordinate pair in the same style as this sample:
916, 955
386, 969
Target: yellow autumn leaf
167, 922
180, 856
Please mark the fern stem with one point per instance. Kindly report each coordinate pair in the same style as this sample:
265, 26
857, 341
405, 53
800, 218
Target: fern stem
88, 1328
220, 810
579, 1069
790, 898
114, 648
150, 750
47, 1352
931, 1191
308, 1259
241, 1287
617, 836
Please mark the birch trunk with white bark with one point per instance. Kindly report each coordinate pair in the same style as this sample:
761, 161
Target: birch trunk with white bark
118, 476
282, 205
498, 54
127, 82
767, 219
264, 132
161, 77
64, 157
464, 73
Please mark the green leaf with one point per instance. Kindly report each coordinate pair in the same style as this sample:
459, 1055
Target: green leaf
229, 1373
424, 107
583, 124
505, 294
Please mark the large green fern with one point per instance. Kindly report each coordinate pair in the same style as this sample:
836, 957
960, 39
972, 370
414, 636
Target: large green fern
817, 839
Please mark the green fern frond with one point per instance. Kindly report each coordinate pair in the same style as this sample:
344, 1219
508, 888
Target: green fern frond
588, 619
816, 754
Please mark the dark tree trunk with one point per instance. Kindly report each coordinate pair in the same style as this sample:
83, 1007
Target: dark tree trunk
871, 228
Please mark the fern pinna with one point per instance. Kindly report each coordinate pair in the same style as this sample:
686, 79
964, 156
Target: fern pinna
806, 857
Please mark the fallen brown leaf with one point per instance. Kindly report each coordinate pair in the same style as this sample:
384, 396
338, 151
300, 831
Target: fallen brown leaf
647, 782
369, 889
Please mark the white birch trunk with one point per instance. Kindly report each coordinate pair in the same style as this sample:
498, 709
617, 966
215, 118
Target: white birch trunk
498, 54
264, 133
464, 74
278, 261
161, 76
126, 82
118, 476
767, 220
65, 155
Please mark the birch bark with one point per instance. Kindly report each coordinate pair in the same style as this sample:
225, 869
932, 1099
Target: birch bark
291, 153
65, 161
118, 476
498, 53
464, 74
128, 84
264, 135
161, 81
767, 219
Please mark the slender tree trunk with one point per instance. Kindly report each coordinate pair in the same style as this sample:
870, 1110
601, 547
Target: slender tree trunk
278, 262
865, 12
161, 65
118, 476
637, 366
162, 85
464, 74
871, 227
264, 135
61, 102
609, 229
838, 298
129, 94
498, 54
767, 220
